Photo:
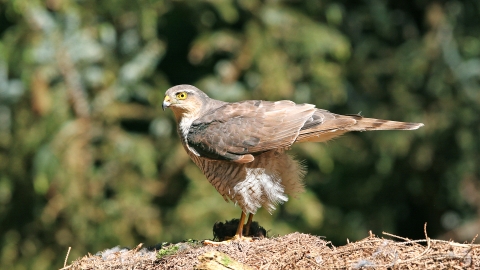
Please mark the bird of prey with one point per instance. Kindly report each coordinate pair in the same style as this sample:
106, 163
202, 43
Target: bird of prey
241, 146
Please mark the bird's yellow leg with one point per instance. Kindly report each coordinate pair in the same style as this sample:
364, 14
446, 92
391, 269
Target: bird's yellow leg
239, 233
249, 223
241, 222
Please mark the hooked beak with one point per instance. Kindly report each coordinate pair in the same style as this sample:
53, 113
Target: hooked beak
166, 102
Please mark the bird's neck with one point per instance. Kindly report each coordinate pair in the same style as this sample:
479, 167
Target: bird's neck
184, 126
182, 114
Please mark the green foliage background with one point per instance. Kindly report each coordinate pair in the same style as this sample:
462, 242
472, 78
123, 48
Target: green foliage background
89, 160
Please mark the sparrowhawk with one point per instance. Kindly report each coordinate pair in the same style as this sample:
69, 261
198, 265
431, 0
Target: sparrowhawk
241, 146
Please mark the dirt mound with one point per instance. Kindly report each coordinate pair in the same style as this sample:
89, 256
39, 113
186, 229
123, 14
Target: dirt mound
293, 251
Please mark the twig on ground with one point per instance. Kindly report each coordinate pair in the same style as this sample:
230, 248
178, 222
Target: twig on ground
66, 258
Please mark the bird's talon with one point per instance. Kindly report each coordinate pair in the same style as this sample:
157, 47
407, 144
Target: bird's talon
229, 241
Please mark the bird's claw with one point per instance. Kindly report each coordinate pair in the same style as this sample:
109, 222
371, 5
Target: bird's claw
229, 241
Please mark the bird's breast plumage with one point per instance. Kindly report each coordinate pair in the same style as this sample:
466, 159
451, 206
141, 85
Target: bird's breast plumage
265, 182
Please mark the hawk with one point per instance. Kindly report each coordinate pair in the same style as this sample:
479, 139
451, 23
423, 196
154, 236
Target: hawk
241, 146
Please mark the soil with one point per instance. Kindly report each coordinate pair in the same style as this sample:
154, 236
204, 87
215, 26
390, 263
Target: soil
292, 251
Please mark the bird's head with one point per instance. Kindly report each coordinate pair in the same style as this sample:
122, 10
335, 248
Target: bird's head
184, 100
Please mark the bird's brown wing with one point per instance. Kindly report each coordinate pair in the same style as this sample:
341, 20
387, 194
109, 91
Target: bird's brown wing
237, 131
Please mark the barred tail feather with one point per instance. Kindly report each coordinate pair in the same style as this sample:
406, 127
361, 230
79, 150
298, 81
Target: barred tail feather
334, 125
365, 124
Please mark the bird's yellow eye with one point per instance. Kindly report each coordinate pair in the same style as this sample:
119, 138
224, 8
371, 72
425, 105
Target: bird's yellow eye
181, 95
